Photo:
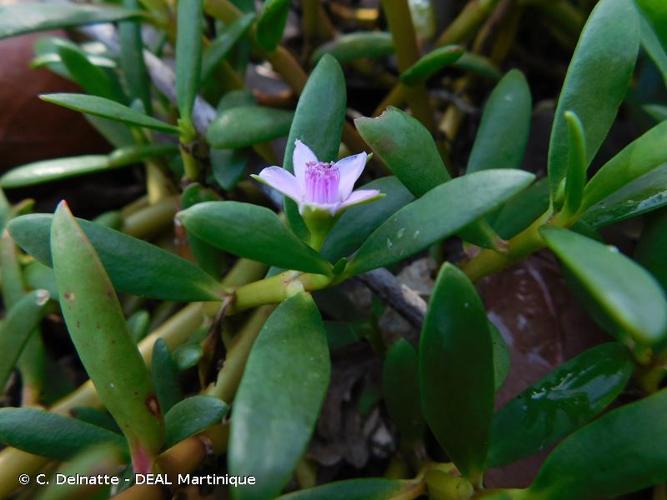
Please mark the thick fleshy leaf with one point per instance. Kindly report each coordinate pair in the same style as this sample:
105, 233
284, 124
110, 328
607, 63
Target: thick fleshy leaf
359, 489
131, 58
407, 148
51, 435
522, 209
501, 357
105, 108
596, 82
503, 132
638, 158
652, 45
567, 398
479, 65
225, 41
431, 63
279, 399
656, 12
92, 78
97, 417
354, 46
652, 247
244, 126
440, 213
26, 17
253, 232
575, 178
99, 332
271, 23
228, 166
400, 388
628, 296
21, 321
207, 256
188, 55
637, 197
357, 223
164, 372
192, 416
621, 452
456, 373
163, 275
319, 127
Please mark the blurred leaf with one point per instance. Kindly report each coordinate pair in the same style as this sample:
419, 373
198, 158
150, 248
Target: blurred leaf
637, 197
503, 132
456, 372
219, 48
228, 166
406, 146
596, 82
319, 127
139, 325
521, 209
271, 23
93, 79
354, 46
638, 158
132, 59
50, 435
162, 275
21, 321
192, 416
99, 106
567, 398
207, 256
244, 126
656, 12
657, 112
188, 55
358, 222
37, 275
140, 152
188, 355
431, 63
164, 371
501, 357
478, 65
253, 232
110, 357
371, 488
628, 296
653, 46
400, 387
652, 247
438, 214
625, 450
284, 383
96, 417
26, 17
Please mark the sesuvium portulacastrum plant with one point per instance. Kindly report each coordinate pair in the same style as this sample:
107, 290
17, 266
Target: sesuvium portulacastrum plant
219, 349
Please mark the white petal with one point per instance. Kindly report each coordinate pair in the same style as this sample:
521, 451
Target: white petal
280, 180
302, 155
350, 169
361, 196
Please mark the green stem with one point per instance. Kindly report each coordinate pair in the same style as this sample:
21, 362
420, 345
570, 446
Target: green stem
470, 18
152, 219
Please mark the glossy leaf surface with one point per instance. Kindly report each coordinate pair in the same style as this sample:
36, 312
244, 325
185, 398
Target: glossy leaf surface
244, 126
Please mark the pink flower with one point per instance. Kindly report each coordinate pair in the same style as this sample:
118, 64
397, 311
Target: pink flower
320, 185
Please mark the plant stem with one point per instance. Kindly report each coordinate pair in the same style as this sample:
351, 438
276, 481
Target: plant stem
152, 219
471, 17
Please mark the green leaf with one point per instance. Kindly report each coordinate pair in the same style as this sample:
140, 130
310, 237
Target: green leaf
440, 213
358, 222
478, 65
139, 324
638, 158
225, 41
253, 232
207, 256
93, 79
192, 416
503, 132
575, 178
244, 126
356, 489
164, 372
652, 247
628, 295
130, 155
400, 387
50, 435
622, 451
271, 23
110, 357
27, 17
355, 46
284, 383
637, 197
37, 276
131, 58
567, 398
99, 106
228, 166
656, 111
456, 373
97, 417
20, 322
653, 46
188, 355
596, 82
406, 146
656, 12
319, 127
162, 276
522, 209
431, 63
188, 55
501, 357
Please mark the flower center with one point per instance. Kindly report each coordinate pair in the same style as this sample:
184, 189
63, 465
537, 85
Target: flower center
322, 181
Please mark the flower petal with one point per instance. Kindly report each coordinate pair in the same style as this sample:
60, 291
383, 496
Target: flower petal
361, 196
280, 180
350, 169
302, 155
